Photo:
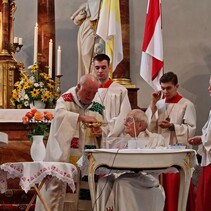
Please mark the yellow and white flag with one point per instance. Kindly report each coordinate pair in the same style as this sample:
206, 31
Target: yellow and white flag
109, 29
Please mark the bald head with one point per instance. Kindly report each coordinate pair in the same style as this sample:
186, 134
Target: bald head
87, 88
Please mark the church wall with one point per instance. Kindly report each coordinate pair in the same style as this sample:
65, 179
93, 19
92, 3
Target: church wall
187, 45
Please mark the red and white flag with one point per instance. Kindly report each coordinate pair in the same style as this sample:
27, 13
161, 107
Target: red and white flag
152, 49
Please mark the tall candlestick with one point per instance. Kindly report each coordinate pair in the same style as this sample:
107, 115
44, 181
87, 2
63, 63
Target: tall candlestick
20, 41
15, 40
59, 51
35, 42
50, 58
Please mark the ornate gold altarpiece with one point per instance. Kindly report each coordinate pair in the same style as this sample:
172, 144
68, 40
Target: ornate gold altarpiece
8, 65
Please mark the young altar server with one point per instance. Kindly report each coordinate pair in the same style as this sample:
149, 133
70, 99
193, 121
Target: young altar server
112, 95
174, 117
203, 202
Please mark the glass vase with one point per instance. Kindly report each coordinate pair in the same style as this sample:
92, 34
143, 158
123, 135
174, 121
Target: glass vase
37, 150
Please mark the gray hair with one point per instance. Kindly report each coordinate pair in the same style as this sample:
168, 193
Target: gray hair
88, 77
140, 116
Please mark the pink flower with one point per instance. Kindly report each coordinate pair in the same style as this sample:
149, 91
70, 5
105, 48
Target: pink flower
25, 120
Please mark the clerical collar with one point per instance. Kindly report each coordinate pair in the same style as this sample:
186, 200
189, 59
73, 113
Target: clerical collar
174, 99
85, 106
107, 84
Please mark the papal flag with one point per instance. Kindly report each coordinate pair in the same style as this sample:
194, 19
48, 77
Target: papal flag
109, 29
152, 49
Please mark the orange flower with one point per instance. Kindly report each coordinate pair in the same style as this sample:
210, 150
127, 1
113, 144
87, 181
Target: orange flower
25, 120
29, 115
38, 116
48, 115
33, 110
41, 122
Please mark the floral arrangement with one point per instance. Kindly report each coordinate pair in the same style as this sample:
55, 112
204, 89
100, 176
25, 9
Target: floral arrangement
34, 85
40, 122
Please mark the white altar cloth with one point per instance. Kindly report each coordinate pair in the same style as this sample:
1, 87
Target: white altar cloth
31, 173
15, 115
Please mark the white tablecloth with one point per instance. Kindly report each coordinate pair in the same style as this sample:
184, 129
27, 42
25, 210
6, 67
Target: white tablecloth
15, 115
31, 173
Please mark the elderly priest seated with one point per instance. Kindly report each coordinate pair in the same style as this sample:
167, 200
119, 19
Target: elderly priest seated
138, 191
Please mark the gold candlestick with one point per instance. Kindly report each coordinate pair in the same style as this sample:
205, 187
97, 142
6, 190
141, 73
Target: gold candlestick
58, 84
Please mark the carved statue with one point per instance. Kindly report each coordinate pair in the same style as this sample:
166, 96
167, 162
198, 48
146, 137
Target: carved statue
88, 42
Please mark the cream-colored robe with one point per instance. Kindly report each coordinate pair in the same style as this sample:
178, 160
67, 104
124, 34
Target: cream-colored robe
132, 191
66, 143
181, 114
205, 148
117, 106
86, 16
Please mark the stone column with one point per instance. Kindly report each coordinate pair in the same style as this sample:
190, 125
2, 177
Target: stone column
122, 72
5, 28
46, 31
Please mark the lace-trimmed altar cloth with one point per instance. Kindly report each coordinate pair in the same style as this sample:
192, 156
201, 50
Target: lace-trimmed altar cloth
31, 173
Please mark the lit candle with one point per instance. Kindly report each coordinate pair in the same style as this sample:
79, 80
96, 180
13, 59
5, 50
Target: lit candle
59, 51
50, 58
20, 41
15, 40
35, 42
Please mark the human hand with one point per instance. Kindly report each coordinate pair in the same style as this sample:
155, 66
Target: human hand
196, 140
164, 124
156, 96
97, 131
87, 119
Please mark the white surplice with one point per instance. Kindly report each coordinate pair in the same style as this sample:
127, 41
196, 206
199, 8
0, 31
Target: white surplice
132, 191
205, 148
66, 143
181, 114
117, 106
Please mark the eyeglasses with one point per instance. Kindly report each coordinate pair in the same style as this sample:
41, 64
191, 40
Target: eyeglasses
131, 120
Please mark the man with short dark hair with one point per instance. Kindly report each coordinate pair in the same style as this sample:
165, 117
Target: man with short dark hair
174, 117
112, 95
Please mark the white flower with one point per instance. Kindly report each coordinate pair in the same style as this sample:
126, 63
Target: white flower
41, 84
36, 85
22, 94
26, 97
31, 79
26, 103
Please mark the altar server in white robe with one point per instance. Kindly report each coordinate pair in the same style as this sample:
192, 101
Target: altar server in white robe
112, 95
133, 191
69, 135
203, 202
174, 117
